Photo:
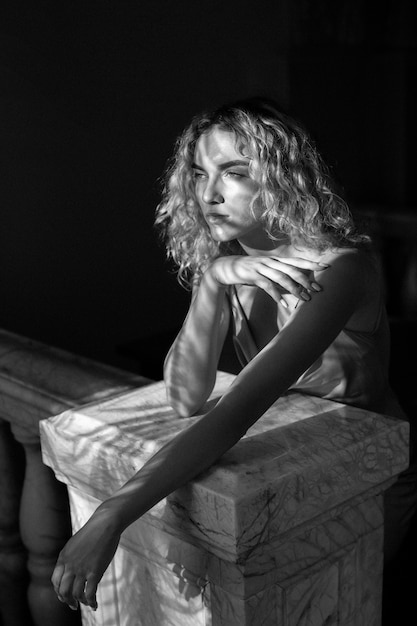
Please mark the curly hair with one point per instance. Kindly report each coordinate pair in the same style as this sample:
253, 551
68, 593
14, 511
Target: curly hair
295, 191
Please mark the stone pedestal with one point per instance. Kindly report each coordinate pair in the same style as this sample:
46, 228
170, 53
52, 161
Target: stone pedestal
287, 528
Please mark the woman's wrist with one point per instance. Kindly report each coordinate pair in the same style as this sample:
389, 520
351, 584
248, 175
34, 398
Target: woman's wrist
110, 513
210, 278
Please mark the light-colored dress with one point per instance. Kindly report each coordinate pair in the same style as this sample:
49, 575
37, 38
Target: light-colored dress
352, 370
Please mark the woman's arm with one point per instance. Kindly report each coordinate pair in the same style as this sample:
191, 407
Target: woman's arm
312, 328
191, 364
309, 332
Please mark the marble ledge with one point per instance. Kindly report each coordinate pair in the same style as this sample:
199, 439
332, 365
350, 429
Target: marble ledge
159, 579
304, 457
38, 380
324, 537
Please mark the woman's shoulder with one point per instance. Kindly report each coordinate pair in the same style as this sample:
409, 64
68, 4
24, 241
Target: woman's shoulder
360, 259
359, 270
355, 270
362, 264
360, 255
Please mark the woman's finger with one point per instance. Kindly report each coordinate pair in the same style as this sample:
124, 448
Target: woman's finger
57, 576
90, 592
286, 283
78, 588
65, 590
296, 261
292, 277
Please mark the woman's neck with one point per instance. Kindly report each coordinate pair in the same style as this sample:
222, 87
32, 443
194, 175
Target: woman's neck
269, 247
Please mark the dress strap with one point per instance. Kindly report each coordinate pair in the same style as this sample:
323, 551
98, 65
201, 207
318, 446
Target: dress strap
243, 340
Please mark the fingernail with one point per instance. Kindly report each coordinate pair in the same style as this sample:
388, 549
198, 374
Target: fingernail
324, 266
305, 296
283, 303
316, 287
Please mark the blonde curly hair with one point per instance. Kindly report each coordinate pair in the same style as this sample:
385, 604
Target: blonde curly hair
295, 192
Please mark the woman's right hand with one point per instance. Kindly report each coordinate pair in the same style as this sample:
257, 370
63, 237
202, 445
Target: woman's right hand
275, 275
83, 561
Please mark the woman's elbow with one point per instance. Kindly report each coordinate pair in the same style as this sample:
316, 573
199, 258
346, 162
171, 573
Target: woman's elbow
185, 407
182, 399
185, 396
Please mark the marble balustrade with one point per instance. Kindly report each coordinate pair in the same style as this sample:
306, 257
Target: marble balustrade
37, 381
286, 528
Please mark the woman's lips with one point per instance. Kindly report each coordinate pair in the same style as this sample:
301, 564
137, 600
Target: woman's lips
216, 218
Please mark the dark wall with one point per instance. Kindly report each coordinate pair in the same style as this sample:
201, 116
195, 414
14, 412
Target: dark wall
92, 96
352, 80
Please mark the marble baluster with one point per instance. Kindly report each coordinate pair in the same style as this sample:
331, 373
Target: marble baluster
37, 381
44, 528
14, 609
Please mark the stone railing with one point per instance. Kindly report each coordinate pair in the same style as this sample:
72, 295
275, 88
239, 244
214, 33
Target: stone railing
286, 528
37, 381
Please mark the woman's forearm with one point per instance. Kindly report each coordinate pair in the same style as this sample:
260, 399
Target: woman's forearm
201, 444
182, 459
191, 364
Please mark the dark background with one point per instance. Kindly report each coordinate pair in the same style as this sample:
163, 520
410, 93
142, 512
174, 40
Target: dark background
92, 97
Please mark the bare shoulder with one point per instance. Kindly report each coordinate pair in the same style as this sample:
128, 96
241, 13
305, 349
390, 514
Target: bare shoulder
351, 264
358, 264
354, 257
357, 272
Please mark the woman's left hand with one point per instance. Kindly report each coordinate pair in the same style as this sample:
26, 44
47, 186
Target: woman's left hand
83, 561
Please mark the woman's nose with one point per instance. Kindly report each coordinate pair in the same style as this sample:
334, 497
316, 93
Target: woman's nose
212, 193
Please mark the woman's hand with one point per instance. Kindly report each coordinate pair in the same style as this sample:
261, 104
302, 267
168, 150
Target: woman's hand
272, 274
83, 561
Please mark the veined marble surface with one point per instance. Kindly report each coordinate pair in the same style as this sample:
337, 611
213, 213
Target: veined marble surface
146, 586
37, 381
286, 528
304, 456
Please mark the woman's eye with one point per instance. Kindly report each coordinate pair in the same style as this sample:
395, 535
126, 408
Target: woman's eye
198, 175
235, 174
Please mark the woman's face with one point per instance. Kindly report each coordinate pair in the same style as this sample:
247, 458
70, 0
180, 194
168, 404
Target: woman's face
225, 191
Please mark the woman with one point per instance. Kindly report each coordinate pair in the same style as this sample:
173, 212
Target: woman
249, 215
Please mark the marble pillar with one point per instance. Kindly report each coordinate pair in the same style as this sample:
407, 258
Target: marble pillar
286, 528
